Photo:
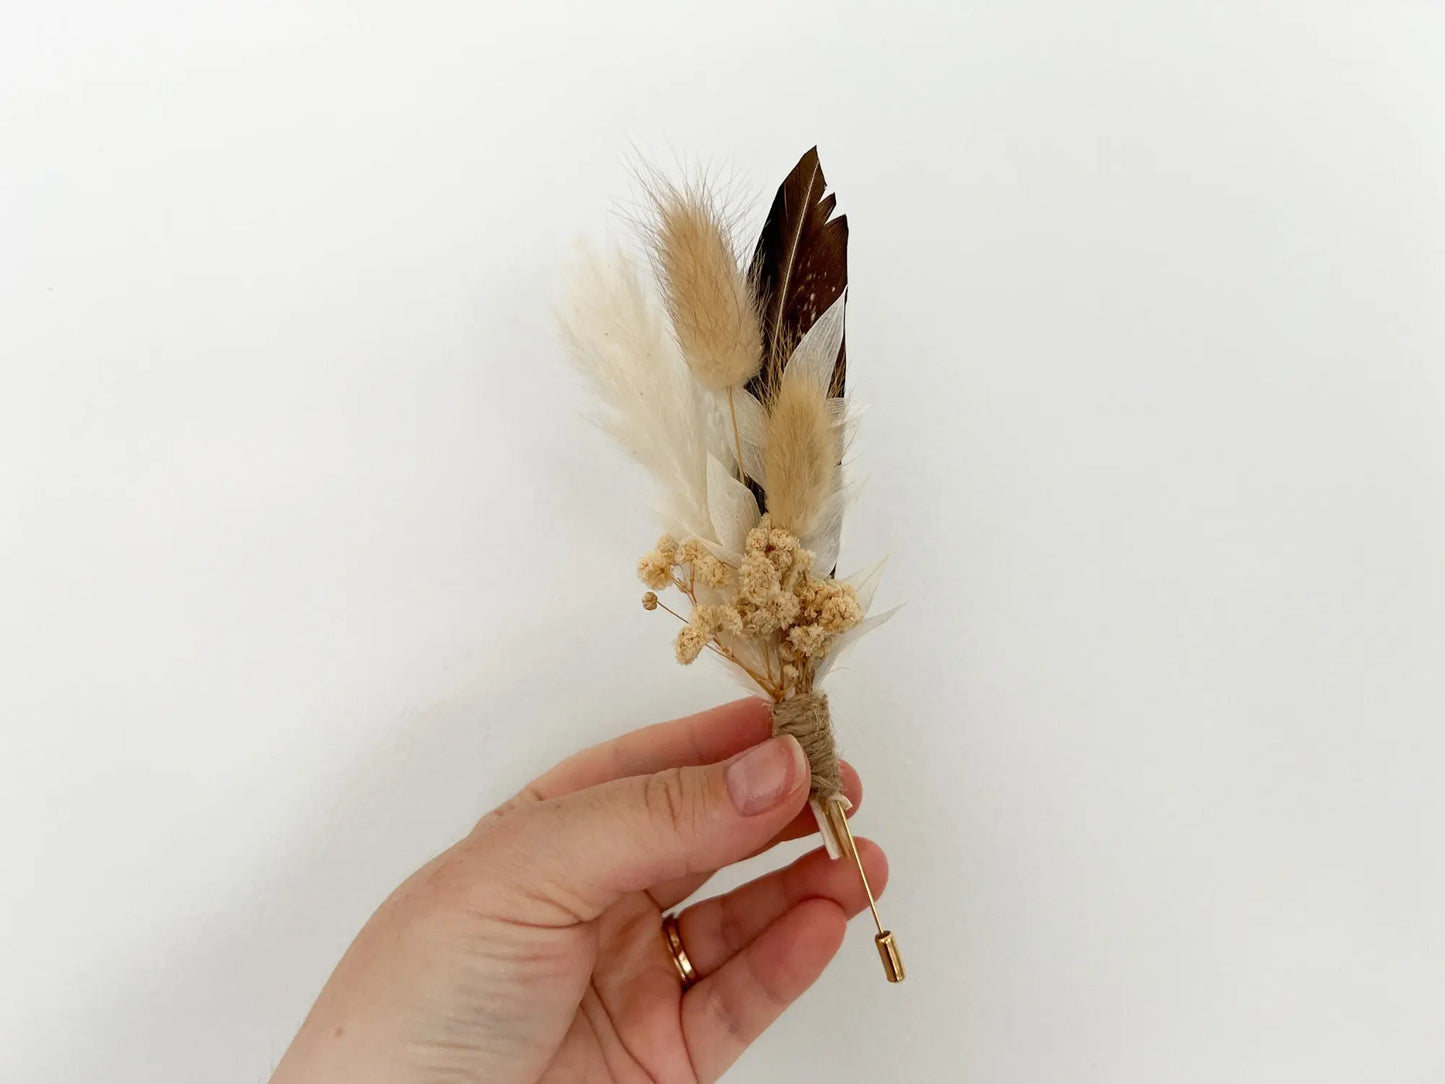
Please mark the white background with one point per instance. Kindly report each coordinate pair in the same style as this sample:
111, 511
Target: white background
306, 558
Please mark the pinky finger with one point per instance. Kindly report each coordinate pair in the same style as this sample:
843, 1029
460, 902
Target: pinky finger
725, 1012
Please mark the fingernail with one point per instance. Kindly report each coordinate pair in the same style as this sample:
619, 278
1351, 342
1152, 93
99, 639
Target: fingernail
762, 777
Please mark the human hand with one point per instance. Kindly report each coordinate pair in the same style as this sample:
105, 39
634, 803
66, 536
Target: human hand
532, 950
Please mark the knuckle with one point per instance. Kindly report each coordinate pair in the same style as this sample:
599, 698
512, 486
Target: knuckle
732, 931
767, 990
665, 797
674, 802
525, 798
455, 880
725, 1009
477, 876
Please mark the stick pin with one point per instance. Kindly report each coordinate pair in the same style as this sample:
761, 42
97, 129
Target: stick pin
887, 945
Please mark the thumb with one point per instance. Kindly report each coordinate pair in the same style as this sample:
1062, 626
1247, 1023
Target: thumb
579, 853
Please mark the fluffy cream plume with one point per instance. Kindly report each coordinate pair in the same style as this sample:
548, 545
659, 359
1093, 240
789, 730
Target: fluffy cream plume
617, 337
801, 457
802, 443
712, 308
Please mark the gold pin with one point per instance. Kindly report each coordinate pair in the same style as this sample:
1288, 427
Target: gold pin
887, 946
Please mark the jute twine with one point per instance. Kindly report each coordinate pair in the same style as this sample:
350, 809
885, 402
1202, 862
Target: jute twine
806, 718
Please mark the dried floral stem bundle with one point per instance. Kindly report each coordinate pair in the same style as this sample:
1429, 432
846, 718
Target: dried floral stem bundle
728, 385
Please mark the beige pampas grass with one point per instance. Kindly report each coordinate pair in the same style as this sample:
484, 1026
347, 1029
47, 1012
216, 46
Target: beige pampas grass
712, 308
616, 336
802, 454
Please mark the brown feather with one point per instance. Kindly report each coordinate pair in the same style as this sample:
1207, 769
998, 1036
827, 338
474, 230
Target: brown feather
799, 268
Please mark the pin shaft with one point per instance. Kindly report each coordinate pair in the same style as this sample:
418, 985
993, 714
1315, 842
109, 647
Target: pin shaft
885, 942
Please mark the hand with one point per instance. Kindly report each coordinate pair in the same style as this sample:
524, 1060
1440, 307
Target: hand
532, 950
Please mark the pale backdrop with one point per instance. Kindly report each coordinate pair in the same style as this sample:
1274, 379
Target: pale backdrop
306, 559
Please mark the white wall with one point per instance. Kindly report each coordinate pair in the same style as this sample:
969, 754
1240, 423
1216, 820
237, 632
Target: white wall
306, 559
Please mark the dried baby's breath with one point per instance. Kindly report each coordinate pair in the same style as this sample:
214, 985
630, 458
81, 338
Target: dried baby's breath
768, 606
690, 642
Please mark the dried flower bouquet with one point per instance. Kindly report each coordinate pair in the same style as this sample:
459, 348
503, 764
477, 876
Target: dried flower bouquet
728, 384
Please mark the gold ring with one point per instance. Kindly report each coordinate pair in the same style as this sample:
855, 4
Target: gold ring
685, 971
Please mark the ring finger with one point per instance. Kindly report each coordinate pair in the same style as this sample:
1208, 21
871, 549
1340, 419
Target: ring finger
714, 930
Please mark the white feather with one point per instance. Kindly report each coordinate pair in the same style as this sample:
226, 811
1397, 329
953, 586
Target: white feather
844, 411
849, 640
817, 350
748, 652
752, 433
732, 509
617, 336
740, 678
826, 537
845, 414
865, 583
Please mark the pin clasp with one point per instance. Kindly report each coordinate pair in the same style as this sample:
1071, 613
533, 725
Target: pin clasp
888, 953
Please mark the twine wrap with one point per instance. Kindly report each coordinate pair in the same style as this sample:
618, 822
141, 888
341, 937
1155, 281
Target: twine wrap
806, 718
